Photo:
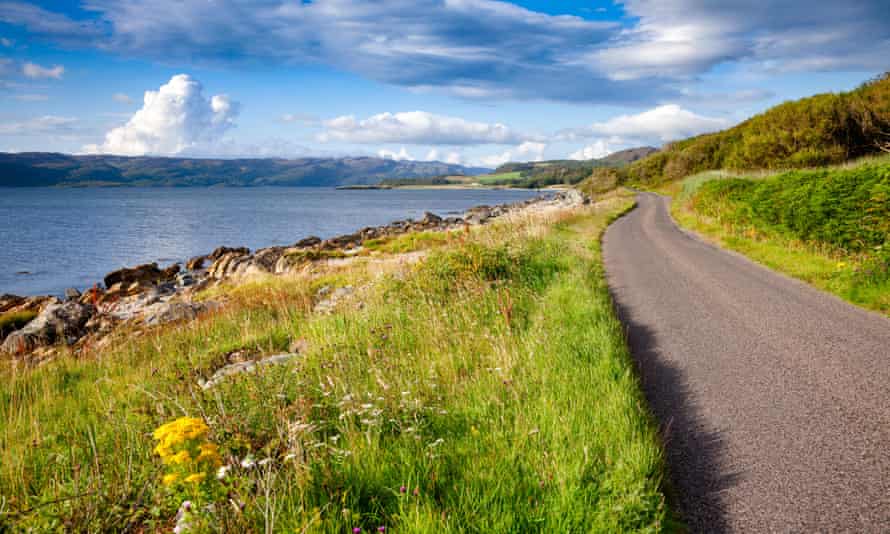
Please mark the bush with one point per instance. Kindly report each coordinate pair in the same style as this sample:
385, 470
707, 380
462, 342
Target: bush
845, 208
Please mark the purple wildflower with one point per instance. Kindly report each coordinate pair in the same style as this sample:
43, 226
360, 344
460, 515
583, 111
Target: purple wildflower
381, 528
416, 492
357, 530
403, 489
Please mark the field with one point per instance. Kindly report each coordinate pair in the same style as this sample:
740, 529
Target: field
828, 227
476, 384
504, 178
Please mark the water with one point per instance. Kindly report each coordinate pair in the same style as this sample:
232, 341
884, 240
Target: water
52, 239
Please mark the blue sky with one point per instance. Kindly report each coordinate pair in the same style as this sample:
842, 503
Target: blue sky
472, 81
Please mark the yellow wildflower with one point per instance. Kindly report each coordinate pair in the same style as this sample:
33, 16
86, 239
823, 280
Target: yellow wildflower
841, 264
180, 457
196, 478
169, 479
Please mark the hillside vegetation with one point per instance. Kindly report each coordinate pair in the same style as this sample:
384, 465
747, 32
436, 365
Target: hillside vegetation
485, 388
536, 174
820, 130
828, 226
50, 169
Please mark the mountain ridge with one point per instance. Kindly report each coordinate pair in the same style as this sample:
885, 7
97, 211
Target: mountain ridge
43, 169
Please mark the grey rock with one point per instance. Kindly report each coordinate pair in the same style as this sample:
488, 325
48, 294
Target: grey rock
245, 367
72, 294
168, 312
58, 322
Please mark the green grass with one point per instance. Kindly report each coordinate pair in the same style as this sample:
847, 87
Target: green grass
499, 179
491, 380
407, 242
825, 227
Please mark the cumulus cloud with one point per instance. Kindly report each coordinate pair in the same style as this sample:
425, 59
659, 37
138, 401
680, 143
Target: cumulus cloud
300, 118
36, 72
657, 125
652, 127
174, 119
417, 127
453, 157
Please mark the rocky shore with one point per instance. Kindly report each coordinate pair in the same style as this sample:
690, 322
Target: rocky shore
148, 295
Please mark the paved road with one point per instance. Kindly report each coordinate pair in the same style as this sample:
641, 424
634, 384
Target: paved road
774, 398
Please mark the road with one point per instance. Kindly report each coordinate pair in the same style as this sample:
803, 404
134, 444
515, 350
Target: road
773, 397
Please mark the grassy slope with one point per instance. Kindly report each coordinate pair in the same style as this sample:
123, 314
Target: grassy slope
857, 274
492, 377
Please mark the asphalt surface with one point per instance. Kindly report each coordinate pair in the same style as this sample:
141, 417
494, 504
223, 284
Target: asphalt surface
773, 397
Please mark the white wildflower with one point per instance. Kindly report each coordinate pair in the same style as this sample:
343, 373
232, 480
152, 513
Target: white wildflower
248, 462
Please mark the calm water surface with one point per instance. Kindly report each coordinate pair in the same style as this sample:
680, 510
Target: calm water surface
51, 239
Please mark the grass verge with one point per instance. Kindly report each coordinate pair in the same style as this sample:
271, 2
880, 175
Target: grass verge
764, 217
486, 388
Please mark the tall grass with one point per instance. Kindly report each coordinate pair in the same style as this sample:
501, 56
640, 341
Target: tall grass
485, 389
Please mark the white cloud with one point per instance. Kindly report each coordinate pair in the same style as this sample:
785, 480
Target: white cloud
401, 155
657, 125
6, 42
417, 127
45, 125
174, 119
598, 149
528, 151
122, 98
35, 71
453, 157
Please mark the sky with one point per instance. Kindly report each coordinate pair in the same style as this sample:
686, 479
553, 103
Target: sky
476, 82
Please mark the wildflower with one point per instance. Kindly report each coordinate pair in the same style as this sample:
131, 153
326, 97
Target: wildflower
416, 492
265, 461
180, 457
195, 478
169, 479
381, 528
222, 472
403, 489
248, 462
841, 264
357, 530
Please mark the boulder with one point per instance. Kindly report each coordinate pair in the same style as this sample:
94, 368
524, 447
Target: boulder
310, 241
8, 301
148, 272
265, 259
58, 322
227, 264
171, 272
195, 263
478, 215
222, 251
244, 367
168, 312
72, 294
431, 219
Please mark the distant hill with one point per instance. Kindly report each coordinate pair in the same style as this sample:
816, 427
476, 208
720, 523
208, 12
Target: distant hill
820, 130
568, 171
52, 169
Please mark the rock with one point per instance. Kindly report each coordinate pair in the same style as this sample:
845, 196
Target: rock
227, 264
478, 215
244, 367
185, 279
35, 304
8, 301
58, 322
148, 273
431, 219
72, 294
171, 272
195, 263
265, 259
168, 312
310, 241
328, 304
222, 251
